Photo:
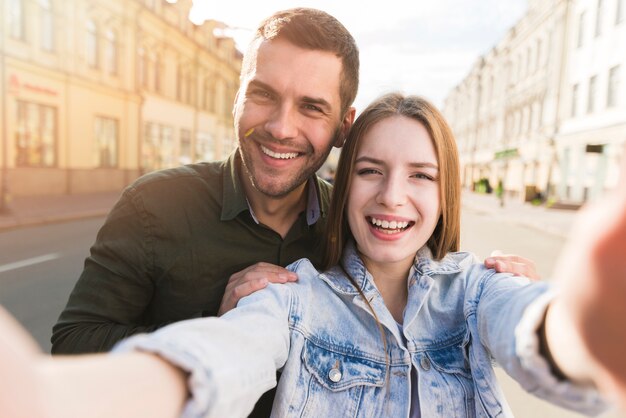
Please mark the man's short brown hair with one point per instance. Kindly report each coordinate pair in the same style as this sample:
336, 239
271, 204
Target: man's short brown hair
317, 30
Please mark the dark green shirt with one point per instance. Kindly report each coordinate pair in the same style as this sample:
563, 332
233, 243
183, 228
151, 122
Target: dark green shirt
167, 250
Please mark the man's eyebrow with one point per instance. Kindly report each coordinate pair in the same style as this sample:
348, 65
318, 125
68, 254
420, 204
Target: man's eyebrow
260, 84
381, 162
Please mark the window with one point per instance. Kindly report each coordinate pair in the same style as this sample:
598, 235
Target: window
142, 67
35, 135
184, 156
92, 44
574, 110
158, 146
16, 19
599, 16
158, 69
619, 13
47, 25
111, 51
538, 57
591, 97
204, 147
106, 140
179, 83
581, 30
613, 91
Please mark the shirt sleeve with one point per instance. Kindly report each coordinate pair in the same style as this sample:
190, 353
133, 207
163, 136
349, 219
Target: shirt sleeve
231, 360
115, 287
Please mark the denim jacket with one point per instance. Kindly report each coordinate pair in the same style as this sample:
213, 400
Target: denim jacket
322, 336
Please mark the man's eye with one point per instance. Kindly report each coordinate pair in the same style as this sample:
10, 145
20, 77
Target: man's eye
264, 94
313, 108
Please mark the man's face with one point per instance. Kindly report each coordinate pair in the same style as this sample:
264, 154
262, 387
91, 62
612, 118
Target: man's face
287, 115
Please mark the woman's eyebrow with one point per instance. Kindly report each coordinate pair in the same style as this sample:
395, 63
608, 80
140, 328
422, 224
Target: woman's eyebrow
381, 162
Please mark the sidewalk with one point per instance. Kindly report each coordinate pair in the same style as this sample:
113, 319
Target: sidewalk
553, 221
39, 210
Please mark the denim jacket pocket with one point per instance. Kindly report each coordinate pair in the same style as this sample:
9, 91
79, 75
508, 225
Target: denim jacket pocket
451, 378
336, 381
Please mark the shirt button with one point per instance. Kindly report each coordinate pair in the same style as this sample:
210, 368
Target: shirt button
425, 364
334, 375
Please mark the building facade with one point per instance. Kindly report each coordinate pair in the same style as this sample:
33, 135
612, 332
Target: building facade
512, 113
593, 116
95, 92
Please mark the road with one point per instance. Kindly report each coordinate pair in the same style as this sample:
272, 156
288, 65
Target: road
38, 268
39, 265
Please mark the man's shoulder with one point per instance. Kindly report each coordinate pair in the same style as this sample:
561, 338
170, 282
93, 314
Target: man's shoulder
325, 190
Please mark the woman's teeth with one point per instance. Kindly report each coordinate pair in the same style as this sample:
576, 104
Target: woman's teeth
392, 225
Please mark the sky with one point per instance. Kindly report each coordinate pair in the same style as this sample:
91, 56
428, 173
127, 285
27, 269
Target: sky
413, 46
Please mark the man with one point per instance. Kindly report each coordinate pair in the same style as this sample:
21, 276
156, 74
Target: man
179, 242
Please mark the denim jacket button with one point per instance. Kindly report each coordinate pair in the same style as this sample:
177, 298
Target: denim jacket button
425, 364
334, 375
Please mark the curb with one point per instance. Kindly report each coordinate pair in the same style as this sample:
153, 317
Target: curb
14, 222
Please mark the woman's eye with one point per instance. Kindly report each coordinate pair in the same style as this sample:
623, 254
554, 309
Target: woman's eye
423, 176
366, 171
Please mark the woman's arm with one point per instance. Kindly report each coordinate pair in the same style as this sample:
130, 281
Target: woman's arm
37, 386
586, 325
211, 367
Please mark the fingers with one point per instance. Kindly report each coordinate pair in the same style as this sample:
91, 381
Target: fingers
514, 264
251, 279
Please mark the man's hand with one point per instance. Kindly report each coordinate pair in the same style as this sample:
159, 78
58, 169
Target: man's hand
514, 264
251, 279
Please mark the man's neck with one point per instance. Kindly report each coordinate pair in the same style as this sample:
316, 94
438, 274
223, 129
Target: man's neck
279, 214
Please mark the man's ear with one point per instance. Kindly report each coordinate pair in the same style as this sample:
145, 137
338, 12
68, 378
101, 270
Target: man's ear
346, 124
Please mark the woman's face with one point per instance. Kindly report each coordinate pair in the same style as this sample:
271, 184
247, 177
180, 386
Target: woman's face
394, 203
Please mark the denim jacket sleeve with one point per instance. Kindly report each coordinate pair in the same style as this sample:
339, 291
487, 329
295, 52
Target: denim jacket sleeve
504, 313
231, 360
115, 286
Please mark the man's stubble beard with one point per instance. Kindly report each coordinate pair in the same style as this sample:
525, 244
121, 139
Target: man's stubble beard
282, 189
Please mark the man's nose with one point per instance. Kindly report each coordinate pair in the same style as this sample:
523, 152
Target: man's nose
283, 122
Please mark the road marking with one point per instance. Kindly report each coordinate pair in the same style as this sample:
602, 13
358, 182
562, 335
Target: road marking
28, 262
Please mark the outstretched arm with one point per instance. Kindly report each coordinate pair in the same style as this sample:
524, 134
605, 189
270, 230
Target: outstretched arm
591, 312
97, 386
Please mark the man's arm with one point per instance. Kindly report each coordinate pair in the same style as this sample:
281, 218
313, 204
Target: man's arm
114, 288
251, 279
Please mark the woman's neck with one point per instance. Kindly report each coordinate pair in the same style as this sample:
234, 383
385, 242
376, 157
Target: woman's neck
391, 281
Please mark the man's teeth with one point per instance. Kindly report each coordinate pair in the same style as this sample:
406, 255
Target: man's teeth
389, 224
279, 155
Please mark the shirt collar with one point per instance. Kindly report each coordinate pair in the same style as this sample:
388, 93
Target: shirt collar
234, 200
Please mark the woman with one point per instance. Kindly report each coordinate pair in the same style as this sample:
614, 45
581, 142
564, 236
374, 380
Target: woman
400, 324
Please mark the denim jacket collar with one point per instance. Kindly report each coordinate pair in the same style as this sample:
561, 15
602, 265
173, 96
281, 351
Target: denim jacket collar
424, 265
